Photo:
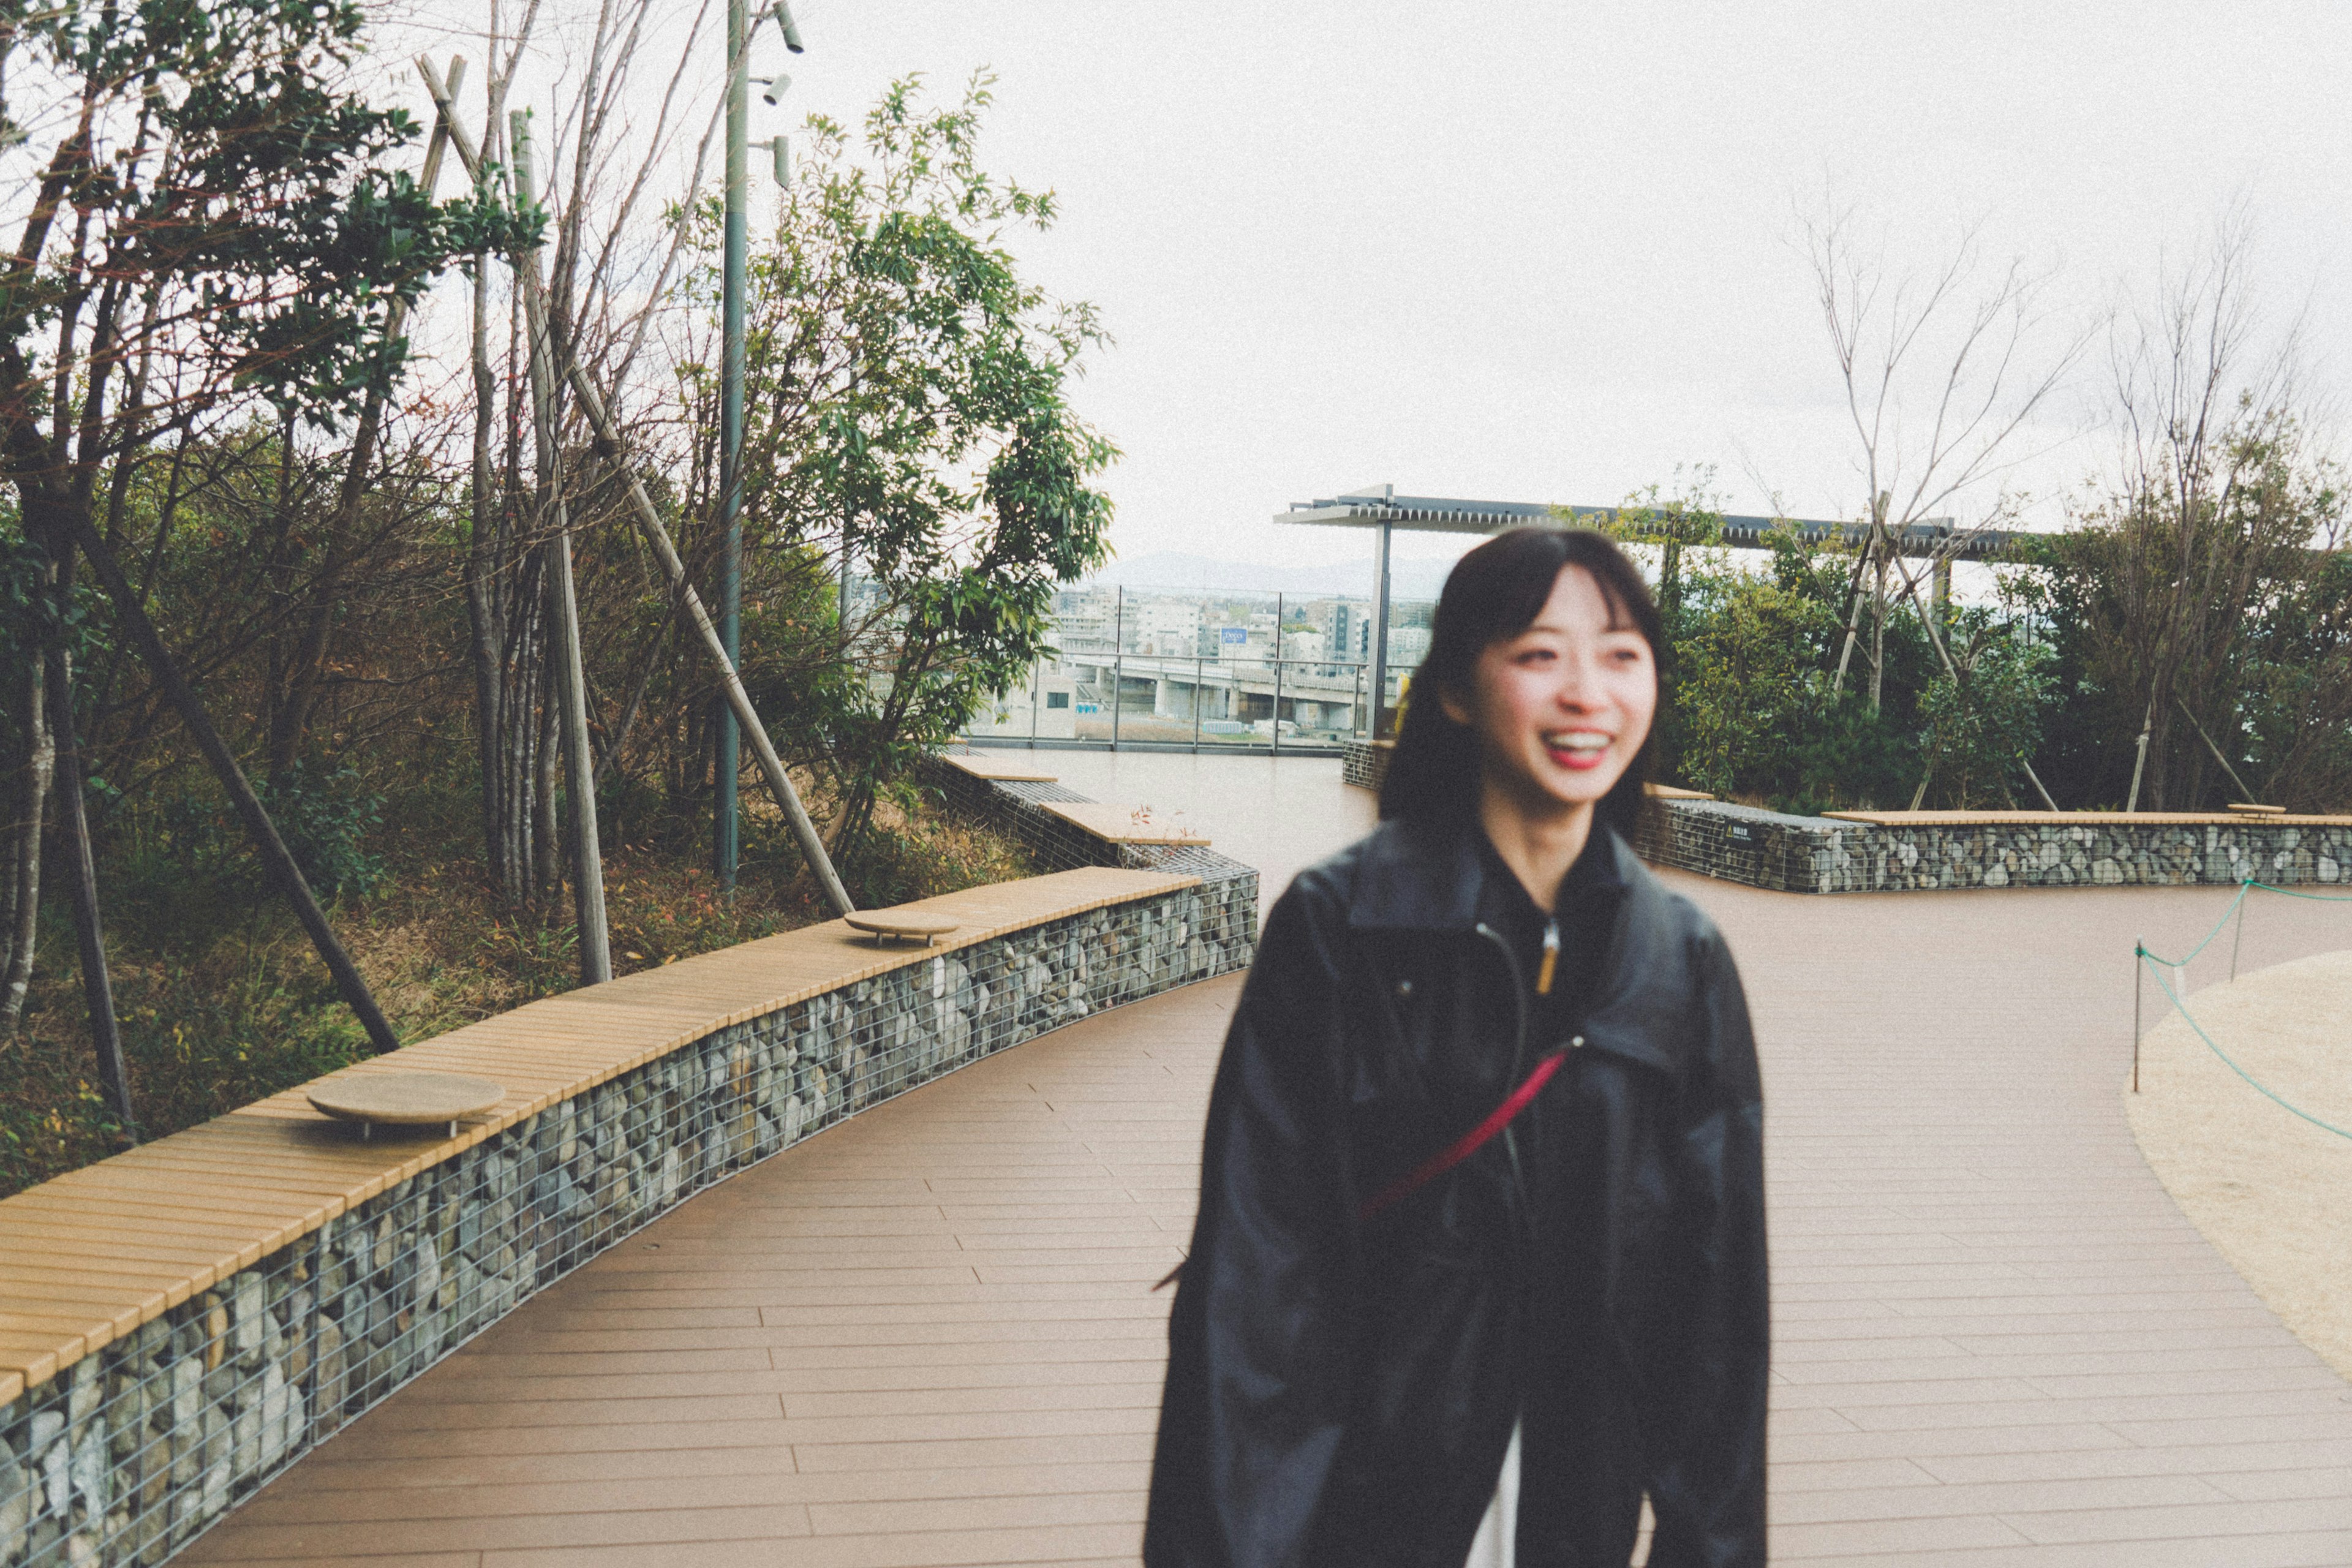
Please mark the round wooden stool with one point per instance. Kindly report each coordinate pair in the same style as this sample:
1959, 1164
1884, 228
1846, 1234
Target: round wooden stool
905, 924
404, 1100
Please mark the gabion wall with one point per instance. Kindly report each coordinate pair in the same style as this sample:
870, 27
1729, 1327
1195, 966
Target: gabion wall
1825, 855
1365, 763
1014, 807
132, 1451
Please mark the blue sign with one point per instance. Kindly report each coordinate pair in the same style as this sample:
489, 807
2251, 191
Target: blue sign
1233, 635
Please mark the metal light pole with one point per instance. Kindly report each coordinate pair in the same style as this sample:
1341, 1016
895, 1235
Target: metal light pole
1380, 649
1278, 675
726, 830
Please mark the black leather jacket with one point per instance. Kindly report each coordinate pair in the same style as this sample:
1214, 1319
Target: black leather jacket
1340, 1391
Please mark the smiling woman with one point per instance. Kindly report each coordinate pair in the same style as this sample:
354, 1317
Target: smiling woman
1562, 710
1482, 1189
1515, 611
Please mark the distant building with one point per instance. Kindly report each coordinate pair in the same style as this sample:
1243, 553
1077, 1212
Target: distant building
1167, 626
1408, 646
1086, 618
1046, 707
1308, 643
1345, 626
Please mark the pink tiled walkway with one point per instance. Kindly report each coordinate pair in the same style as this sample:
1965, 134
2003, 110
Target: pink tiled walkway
926, 1338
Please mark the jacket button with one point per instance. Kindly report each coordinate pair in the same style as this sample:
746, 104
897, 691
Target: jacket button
1575, 1041
1404, 987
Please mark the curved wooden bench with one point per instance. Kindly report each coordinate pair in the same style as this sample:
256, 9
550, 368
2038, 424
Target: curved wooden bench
1125, 824
997, 769
92, 1254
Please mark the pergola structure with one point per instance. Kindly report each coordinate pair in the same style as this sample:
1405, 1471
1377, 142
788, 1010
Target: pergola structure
1380, 508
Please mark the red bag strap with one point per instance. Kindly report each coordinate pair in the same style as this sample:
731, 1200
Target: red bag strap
1446, 1159
1469, 1143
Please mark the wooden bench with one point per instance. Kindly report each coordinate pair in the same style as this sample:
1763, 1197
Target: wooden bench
91, 1255
998, 770
1126, 824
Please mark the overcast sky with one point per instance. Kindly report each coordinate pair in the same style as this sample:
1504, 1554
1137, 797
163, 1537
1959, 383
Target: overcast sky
1542, 252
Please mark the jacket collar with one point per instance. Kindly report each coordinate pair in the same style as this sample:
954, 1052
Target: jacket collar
1436, 881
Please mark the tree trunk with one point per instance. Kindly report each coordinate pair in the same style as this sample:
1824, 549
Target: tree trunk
483, 621
571, 687
1878, 607
518, 744
608, 443
2159, 794
25, 903
297, 696
580, 777
547, 846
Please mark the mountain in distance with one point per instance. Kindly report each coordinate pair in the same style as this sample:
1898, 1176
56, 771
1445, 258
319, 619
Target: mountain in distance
1176, 571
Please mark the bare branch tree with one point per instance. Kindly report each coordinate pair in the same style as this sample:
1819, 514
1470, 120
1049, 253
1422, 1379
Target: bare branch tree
1945, 373
2212, 513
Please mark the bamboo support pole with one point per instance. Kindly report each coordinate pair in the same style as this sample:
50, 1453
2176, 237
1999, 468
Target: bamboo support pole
81, 874
2242, 791
571, 670
608, 441
1935, 640
275, 856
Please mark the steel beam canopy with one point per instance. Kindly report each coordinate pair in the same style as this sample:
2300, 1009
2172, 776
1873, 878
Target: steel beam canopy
1378, 508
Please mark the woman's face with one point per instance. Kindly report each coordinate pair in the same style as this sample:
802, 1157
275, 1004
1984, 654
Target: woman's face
1561, 709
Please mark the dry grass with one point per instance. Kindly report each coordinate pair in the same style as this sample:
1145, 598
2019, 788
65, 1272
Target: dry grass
222, 1001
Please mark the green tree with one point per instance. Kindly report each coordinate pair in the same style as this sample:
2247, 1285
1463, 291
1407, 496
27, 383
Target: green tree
906, 391
2198, 604
2295, 709
1674, 526
1976, 731
205, 222
1754, 711
2216, 616
1747, 697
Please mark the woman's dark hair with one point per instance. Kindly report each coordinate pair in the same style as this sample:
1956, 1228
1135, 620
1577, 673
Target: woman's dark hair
1494, 594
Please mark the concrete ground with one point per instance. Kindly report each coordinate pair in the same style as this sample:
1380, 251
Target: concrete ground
927, 1336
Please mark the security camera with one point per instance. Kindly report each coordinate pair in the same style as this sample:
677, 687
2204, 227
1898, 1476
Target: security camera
773, 88
791, 33
783, 154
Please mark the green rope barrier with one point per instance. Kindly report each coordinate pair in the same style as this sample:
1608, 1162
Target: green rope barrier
2247, 886
2299, 893
2226, 1060
2184, 960
2140, 952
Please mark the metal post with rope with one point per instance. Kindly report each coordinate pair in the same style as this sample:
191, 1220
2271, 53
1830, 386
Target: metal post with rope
2156, 966
2139, 953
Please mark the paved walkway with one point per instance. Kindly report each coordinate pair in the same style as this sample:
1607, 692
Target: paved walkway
925, 1337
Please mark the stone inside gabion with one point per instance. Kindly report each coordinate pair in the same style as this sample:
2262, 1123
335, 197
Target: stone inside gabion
132, 1451
1824, 855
